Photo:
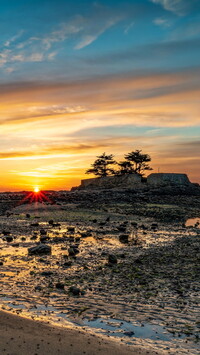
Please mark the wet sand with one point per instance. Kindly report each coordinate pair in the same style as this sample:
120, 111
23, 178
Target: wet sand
20, 336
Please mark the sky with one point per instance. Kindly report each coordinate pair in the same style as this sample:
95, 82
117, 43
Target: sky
79, 78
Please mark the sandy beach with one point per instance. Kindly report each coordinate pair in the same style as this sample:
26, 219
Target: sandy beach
20, 336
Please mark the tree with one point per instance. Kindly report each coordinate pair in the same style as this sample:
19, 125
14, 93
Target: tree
125, 168
100, 167
138, 162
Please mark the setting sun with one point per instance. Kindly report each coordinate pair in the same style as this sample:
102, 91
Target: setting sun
36, 189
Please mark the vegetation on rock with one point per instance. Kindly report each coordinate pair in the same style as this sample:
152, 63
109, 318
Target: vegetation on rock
135, 163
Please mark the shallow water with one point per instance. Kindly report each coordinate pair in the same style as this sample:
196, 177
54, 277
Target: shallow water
107, 326
119, 328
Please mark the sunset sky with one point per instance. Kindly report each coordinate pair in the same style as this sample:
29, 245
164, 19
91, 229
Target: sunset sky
79, 78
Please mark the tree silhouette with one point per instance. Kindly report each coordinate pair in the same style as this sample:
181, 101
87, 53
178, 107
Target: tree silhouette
126, 167
100, 167
138, 162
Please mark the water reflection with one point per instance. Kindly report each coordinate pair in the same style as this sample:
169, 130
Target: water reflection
193, 222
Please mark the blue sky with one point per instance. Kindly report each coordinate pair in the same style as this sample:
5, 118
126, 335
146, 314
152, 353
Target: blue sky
82, 77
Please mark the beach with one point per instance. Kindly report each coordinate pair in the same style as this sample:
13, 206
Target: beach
102, 268
20, 336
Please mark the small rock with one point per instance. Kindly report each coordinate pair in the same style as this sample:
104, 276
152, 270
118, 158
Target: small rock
71, 252
71, 229
123, 238
60, 285
5, 232
67, 264
112, 259
129, 334
35, 224
39, 249
9, 239
75, 290
43, 232
46, 273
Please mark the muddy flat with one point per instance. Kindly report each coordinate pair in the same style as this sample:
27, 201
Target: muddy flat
130, 278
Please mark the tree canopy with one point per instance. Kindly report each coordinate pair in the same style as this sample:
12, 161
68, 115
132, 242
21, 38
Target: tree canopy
138, 162
101, 166
135, 163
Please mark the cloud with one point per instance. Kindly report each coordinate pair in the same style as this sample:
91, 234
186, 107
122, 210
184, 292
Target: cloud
13, 38
179, 7
43, 152
82, 30
162, 22
163, 99
128, 28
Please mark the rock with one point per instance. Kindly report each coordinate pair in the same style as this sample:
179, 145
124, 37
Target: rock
5, 232
75, 290
9, 239
154, 226
15, 245
71, 251
123, 238
138, 261
39, 250
46, 273
60, 285
43, 232
122, 228
44, 238
86, 234
51, 222
34, 237
134, 224
28, 215
38, 288
112, 259
122, 255
143, 227
129, 333
67, 264
35, 224
1, 263
71, 229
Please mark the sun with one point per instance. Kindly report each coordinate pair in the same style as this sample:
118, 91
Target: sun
36, 189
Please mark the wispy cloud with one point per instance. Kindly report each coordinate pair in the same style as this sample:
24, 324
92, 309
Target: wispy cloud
13, 38
162, 22
50, 151
179, 7
128, 27
83, 30
161, 98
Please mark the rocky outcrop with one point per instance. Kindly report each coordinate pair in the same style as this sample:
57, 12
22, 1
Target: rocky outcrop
109, 182
167, 179
133, 181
